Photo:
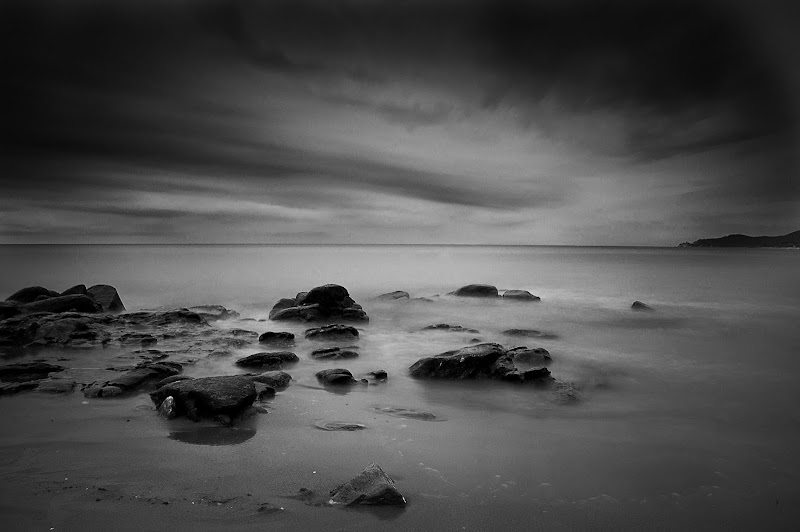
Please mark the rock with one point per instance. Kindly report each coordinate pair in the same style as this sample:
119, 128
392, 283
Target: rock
321, 303
30, 293
379, 374
393, 296
537, 356
138, 338
336, 376
273, 359
171, 379
78, 289
107, 296
214, 312
73, 303
407, 413
530, 333
209, 396
476, 290
339, 426
273, 379
333, 353
638, 305
372, 486
539, 377
111, 391
27, 371
332, 333
242, 332
147, 372
466, 363
8, 309
449, 328
520, 295
276, 338
56, 386
167, 408
8, 388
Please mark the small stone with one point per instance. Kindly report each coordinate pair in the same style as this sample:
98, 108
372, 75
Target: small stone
167, 408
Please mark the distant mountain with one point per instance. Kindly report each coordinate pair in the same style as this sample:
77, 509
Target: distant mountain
792, 240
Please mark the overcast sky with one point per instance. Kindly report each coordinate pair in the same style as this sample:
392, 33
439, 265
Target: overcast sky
541, 122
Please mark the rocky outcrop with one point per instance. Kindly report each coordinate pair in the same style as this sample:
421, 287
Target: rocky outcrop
321, 303
638, 305
520, 295
449, 328
393, 296
214, 312
333, 353
57, 304
336, 376
107, 296
488, 361
30, 293
372, 486
273, 360
276, 338
476, 290
208, 397
332, 333
78, 289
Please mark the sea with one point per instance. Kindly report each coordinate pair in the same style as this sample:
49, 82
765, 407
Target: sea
686, 418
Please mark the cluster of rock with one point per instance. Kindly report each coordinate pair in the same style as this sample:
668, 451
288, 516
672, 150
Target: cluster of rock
329, 302
94, 300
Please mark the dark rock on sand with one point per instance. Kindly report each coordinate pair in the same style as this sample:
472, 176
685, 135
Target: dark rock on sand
321, 303
333, 353
209, 396
273, 359
273, 379
214, 312
343, 426
107, 296
332, 333
638, 305
27, 371
336, 376
371, 486
449, 328
8, 309
476, 290
392, 296
147, 372
277, 338
73, 303
520, 295
78, 289
537, 356
30, 293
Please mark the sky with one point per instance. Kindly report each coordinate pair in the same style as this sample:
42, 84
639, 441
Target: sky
571, 122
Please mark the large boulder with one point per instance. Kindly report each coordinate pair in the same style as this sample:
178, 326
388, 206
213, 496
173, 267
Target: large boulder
275, 360
371, 486
276, 338
336, 376
78, 289
208, 396
72, 303
30, 293
520, 295
476, 290
107, 296
332, 333
321, 303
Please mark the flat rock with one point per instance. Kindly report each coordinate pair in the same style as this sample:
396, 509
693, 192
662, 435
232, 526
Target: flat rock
530, 333
214, 312
449, 328
372, 486
30, 293
339, 426
407, 413
393, 296
209, 396
8, 388
638, 305
273, 359
476, 290
333, 353
520, 295
276, 338
336, 376
27, 371
56, 386
332, 333
107, 297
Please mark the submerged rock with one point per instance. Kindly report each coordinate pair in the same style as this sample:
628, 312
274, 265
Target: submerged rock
476, 290
339, 426
449, 328
638, 305
321, 303
273, 359
407, 413
379, 374
333, 353
371, 486
336, 376
276, 338
520, 295
530, 333
332, 333
393, 296
209, 396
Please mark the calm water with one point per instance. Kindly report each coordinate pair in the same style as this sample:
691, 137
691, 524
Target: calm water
688, 415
